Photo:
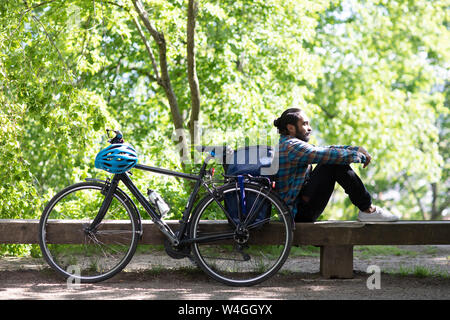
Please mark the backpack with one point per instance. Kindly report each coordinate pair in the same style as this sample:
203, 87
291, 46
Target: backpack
247, 160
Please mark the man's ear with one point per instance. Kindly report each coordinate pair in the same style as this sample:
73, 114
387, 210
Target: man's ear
290, 128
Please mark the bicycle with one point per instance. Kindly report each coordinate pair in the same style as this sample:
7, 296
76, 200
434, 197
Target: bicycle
109, 226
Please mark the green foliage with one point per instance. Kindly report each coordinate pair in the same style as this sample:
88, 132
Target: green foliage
382, 87
369, 73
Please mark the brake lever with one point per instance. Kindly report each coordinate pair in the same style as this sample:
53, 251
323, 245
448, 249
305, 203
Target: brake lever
117, 139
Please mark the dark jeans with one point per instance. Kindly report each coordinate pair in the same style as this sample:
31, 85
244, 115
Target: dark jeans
319, 186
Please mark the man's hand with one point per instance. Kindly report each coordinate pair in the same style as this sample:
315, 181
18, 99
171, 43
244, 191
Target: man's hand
368, 156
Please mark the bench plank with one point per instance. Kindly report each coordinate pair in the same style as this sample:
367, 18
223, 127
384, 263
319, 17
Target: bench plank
373, 233
323, 233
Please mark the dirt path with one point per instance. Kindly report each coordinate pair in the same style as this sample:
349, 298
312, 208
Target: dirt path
157, 277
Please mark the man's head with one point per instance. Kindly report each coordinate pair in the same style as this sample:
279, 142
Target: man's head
294, 122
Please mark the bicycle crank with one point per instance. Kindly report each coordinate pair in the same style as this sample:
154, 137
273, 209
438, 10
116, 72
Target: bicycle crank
177, 252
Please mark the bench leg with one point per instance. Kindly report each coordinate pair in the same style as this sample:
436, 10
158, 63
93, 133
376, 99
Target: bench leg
336, 262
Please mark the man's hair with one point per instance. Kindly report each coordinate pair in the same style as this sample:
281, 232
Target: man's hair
290, 116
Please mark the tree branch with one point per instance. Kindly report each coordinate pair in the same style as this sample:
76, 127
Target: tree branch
54, 45
149, 49
329, 115
159, 38
434, 196
35, 6
192, 72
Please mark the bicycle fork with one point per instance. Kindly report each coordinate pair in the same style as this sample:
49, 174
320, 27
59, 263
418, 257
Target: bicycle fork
109, 189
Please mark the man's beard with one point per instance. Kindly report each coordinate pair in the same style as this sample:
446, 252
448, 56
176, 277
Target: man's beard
303, 137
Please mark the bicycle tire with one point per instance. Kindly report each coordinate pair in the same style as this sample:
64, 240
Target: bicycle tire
98, 255
221, 260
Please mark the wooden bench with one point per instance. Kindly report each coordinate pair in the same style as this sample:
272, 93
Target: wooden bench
335, 238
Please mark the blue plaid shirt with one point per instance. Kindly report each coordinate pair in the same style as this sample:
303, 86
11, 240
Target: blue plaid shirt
295, 159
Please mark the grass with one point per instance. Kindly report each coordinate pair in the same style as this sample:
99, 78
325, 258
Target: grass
364, 251
370, 251
155, 270
304, 251
149, 248
420, 272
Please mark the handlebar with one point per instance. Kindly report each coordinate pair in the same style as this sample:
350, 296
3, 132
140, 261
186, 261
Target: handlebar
215, 151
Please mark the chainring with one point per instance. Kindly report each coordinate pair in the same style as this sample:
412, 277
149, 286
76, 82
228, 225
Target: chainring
178, 252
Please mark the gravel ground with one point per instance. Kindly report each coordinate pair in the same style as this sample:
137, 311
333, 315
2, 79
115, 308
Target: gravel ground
156, 276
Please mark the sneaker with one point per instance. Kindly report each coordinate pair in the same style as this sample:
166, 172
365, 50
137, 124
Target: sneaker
379, 215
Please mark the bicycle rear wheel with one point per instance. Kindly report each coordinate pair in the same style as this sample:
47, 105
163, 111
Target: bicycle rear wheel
89, 256
241, 257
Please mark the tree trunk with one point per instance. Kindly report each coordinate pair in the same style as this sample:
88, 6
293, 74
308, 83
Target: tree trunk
164, 79
437, 210
192, 72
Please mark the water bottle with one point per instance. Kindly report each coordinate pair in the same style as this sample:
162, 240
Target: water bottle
158, 201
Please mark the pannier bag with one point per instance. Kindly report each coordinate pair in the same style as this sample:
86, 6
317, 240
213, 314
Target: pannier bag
247, 160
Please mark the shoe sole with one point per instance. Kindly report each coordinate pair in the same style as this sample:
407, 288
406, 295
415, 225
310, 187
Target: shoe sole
379, 220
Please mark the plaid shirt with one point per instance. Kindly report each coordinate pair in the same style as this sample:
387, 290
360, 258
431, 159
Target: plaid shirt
295, 159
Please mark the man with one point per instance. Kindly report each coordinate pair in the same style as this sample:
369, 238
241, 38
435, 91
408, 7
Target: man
307, 191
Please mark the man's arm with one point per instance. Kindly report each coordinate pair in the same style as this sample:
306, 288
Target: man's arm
359, 149
306, 153
343, 147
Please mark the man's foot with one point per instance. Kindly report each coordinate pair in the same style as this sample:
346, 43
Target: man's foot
379, 214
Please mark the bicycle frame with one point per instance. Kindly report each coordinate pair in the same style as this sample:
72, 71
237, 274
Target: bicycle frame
167, 231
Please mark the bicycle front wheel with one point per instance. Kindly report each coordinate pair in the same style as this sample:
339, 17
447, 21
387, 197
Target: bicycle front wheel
89, 256
241, 256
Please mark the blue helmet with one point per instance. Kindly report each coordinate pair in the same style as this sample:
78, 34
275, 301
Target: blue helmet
116, 158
